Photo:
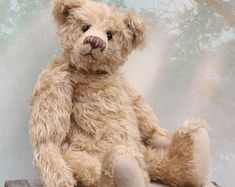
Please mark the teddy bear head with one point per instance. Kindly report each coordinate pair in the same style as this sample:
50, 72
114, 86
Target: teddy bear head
95, 37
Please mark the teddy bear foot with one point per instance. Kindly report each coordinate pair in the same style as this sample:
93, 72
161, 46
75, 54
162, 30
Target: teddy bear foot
201, 155
127, 172
122, 169
185, 162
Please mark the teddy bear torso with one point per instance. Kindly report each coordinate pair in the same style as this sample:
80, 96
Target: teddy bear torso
102, 115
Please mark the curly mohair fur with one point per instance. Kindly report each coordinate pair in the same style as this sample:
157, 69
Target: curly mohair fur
85, 114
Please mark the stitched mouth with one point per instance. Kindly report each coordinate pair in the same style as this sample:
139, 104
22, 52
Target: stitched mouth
90, 54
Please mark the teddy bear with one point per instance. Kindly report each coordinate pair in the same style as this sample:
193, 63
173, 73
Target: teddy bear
89, 127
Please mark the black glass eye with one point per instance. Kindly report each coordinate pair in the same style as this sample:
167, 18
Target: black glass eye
85, 28
109, 35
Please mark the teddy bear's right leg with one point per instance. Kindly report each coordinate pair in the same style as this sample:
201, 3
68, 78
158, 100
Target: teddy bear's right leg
185, 162
121, 169
86, 168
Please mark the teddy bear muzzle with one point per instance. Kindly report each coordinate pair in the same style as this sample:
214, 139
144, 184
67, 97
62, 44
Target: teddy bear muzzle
95, 42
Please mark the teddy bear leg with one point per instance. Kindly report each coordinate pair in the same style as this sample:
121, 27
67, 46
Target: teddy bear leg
185, 162
121, 169
86, 168
127, 172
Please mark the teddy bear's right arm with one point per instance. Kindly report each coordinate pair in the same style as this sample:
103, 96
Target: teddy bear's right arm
49, 123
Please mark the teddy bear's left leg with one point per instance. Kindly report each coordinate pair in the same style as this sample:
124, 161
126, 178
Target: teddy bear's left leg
185, 162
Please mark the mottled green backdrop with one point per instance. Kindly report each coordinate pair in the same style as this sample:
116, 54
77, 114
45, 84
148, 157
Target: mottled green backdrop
187, 70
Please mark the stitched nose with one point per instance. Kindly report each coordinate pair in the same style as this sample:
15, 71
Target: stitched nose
95, 42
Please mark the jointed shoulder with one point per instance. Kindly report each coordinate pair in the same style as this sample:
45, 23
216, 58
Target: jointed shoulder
55, 78
55, 73
130, 89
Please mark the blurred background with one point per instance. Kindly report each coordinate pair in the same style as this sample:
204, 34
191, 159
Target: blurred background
186, 71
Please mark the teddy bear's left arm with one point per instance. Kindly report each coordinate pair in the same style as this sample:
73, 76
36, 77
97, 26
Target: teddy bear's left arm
151, 132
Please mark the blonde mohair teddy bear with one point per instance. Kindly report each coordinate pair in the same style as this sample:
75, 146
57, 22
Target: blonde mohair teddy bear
89, 127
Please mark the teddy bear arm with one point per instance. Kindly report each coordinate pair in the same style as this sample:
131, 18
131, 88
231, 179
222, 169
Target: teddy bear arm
53, 170
147, 120
49, 123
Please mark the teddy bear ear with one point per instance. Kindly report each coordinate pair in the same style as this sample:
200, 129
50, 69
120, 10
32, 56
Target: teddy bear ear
62, 8
136, 27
